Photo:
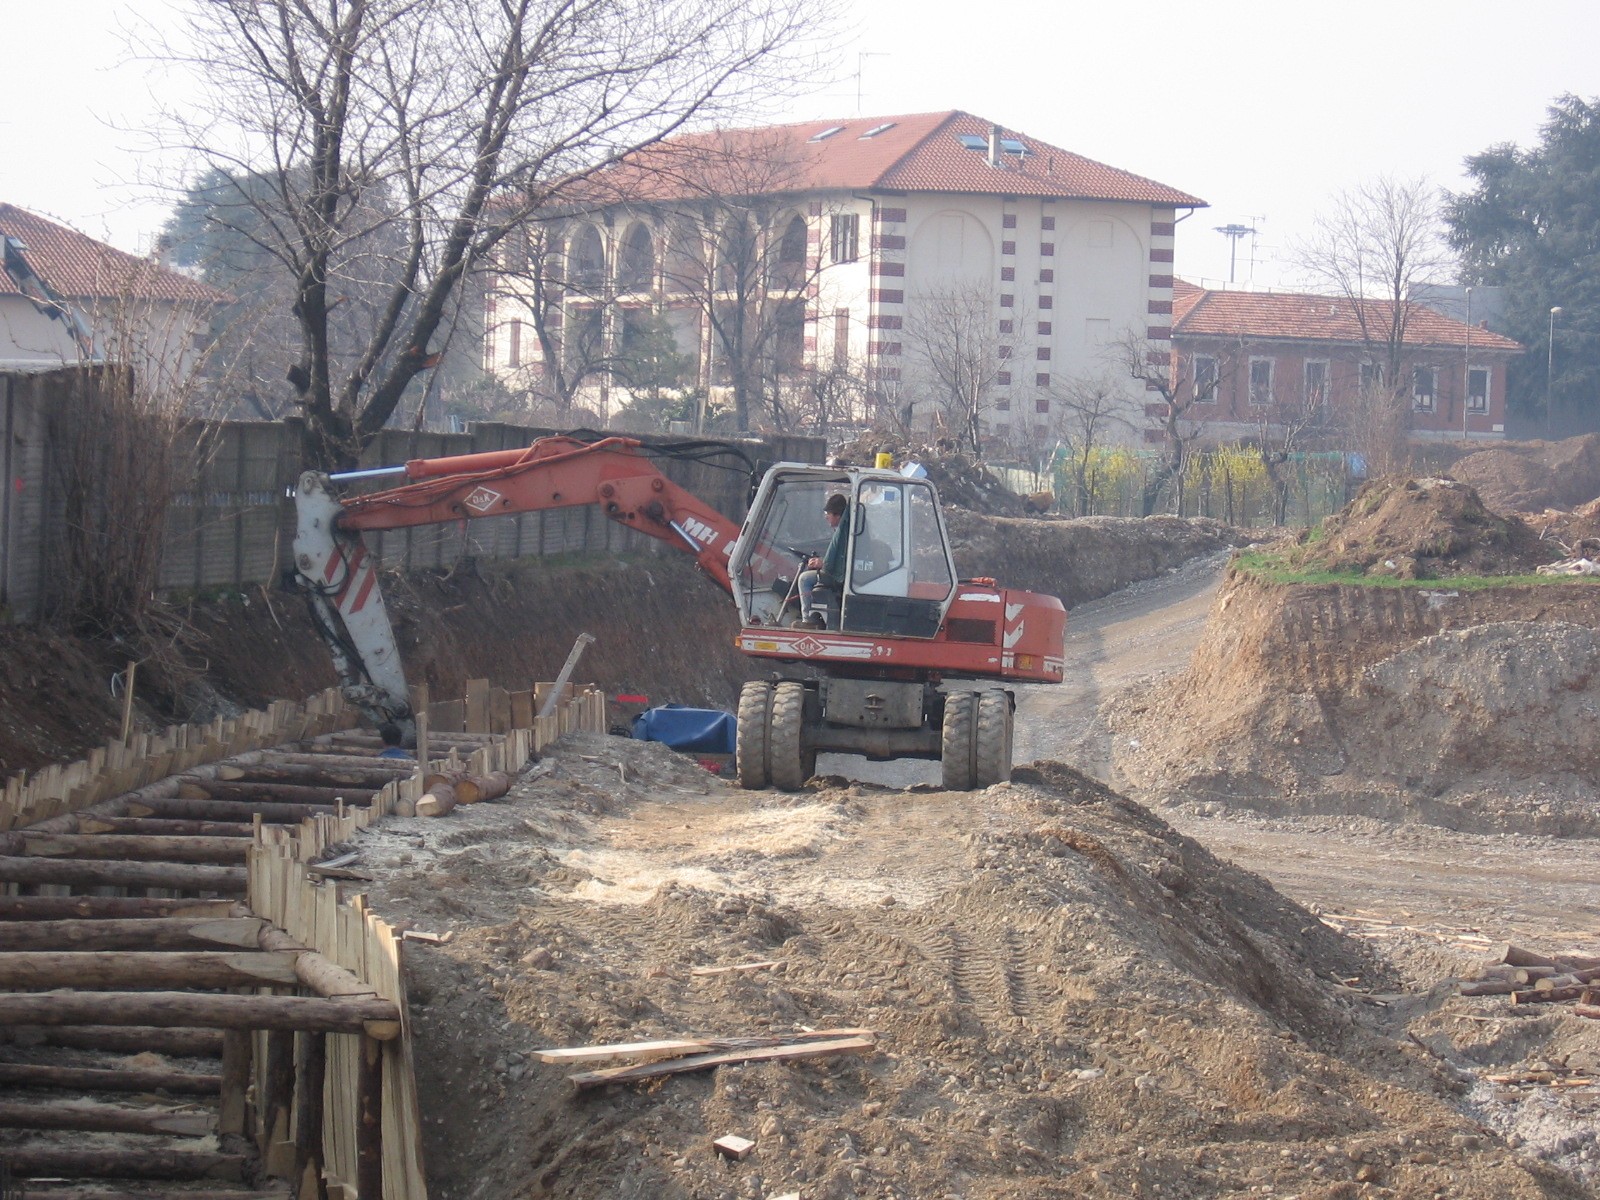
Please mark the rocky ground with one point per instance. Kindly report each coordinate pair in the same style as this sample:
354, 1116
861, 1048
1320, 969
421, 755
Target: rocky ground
1070, 998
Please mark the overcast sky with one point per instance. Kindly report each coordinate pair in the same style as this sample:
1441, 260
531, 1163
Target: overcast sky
1263, 110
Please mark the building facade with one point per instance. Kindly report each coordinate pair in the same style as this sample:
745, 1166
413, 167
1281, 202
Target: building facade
936, 260
1246, 361
67, 300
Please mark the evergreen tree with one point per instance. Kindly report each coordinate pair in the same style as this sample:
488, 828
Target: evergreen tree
1531, 224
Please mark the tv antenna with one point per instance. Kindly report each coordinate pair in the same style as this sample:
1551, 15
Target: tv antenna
861, 62
1233, 233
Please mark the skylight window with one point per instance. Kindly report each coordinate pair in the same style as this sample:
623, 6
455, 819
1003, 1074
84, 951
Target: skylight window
825, 134
876, 130
1012, 146
973, 141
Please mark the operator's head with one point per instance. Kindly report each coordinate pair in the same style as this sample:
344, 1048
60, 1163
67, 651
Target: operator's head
835, 507
390, 734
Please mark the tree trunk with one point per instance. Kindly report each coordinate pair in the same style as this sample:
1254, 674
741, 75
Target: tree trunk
135, 847
168, 1009
39, 1161
160, 933
169, 970
95, 1079
105, 1118
174, 1042
51, 908
223, 810
179, 877
273, 793
159, 828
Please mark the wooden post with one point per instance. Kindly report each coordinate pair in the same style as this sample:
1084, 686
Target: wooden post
309, 1078
584, 640
369, 1121
235, 1080
127, 704
419, 709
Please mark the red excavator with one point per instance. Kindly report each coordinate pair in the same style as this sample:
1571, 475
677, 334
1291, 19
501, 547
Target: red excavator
905, 667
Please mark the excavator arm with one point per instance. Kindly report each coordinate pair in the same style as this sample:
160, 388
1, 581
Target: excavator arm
340, 577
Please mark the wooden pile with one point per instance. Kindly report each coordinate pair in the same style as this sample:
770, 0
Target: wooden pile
1530, 978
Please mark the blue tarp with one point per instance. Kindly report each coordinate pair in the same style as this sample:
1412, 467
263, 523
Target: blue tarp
702, 730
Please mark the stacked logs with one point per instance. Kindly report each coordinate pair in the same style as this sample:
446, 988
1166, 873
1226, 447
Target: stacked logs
1531, 978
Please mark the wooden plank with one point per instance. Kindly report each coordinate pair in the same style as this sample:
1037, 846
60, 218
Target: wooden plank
702, 1062
447, 716
477, 706
677, 1046
499, 710
735, 968
522, 710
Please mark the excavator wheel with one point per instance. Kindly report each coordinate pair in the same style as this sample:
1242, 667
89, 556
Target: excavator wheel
790, 763
956, 744
750, 744
991, 739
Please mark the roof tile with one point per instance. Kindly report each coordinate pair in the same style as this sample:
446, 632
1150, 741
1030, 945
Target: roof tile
1288, 316
77, 267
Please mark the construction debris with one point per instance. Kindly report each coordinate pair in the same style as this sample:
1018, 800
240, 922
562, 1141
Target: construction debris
734, 1147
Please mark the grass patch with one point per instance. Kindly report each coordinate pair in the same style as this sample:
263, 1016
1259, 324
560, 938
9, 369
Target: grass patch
1272, 568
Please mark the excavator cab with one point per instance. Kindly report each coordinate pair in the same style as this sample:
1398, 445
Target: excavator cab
899, 574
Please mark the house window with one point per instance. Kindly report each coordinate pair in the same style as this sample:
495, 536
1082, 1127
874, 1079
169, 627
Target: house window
1260, 381
1044, 328
841, 336
1316, 385
1424, 384
1002, 430
1003, 404
1478, 390
844, 233
1205, 379
1371, 376
514, 351
1041, 405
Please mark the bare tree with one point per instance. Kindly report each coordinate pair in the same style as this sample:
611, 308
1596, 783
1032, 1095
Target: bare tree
1286, 427
402, 139
1377, 247
1171, 394
1091, 409
953, 334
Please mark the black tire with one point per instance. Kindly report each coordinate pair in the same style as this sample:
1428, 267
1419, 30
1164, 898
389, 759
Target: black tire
956, 742
991, 743
789, 763
750, 741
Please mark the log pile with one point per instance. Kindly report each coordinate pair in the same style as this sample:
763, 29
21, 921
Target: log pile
1531, 978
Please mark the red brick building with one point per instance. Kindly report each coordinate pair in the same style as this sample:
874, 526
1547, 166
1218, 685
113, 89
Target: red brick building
1255, 357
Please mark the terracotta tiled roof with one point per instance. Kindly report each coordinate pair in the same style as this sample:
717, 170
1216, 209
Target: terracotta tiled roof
76, 267
1286, 316
918, 153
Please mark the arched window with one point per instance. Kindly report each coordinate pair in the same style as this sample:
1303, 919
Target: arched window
790, 271
588, 258
736, 256
636, 272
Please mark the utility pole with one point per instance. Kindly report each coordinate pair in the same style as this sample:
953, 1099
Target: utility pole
1550, 368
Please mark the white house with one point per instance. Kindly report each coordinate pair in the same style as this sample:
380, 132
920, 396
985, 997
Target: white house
863, 228
67, 299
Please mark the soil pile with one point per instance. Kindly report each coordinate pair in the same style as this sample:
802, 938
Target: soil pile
962, 480
1070, 999
1420, 529
1464, 708
1531, 476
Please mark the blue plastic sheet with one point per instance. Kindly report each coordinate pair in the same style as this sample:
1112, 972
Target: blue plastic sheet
697, 730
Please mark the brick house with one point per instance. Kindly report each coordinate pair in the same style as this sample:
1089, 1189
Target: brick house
1262, 354
67, 299
861, 221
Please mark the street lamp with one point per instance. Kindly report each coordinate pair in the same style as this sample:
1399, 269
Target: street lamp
1550, 368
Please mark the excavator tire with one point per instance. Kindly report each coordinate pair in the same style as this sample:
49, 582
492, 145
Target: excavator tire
750, 742
991, 743
956, 742
790, 764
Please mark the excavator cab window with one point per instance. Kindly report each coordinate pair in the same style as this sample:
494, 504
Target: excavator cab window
790, 528
900, 574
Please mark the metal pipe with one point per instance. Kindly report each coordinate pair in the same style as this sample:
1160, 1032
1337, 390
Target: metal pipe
373, 473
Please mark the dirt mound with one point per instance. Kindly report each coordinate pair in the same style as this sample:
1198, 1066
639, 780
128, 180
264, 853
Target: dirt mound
1420, 529
1083, 558
962, 480
1466, 709
1531, 476
1070, 999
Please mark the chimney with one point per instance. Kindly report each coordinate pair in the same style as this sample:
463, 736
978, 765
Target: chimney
994, 145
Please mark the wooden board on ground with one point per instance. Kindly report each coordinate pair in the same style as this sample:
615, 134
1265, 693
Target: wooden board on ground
701, 1062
